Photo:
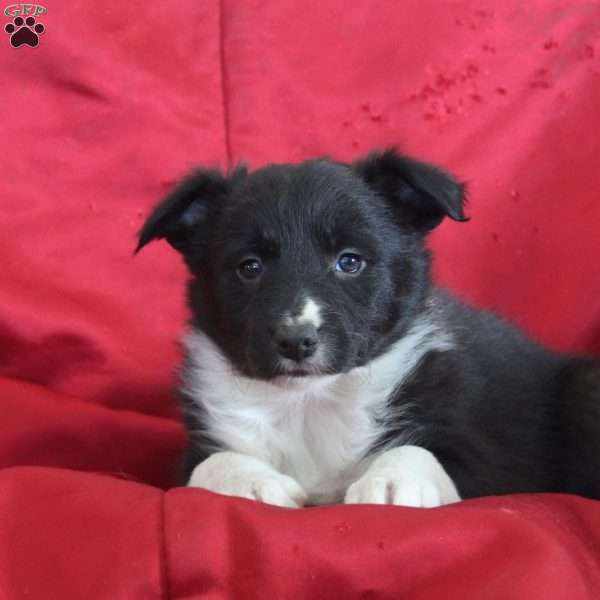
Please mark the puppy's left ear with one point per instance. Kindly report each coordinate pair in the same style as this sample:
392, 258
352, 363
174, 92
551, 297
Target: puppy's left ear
420, 195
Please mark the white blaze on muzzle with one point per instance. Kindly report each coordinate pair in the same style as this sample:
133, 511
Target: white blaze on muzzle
309, 315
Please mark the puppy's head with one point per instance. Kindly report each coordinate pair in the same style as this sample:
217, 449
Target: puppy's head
310, 268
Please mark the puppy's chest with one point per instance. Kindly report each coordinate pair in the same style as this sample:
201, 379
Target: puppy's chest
320, 443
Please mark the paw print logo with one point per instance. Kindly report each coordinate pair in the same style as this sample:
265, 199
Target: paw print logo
24, 32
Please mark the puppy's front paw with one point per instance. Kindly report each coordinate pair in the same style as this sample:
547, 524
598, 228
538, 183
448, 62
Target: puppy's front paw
235, 474
382, 488
405, 476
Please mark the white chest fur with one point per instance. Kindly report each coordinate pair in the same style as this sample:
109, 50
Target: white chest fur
314, 429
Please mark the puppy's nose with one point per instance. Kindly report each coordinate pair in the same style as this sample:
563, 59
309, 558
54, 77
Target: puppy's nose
296, 342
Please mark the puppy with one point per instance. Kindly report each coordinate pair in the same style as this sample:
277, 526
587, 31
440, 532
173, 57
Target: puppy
322, 365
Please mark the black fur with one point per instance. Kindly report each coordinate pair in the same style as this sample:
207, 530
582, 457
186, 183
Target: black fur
499, 412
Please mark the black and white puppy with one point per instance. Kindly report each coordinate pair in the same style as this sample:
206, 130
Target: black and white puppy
323, 366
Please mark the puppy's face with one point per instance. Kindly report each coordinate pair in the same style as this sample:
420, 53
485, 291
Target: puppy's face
306, 269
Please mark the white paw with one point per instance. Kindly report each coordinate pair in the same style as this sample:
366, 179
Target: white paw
387, 488
235, 474
405, 476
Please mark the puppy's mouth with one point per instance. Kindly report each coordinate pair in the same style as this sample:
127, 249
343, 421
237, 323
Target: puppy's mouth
299, 373
287, 369
302, 377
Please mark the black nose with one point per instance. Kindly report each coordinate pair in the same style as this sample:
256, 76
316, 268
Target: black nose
296, 342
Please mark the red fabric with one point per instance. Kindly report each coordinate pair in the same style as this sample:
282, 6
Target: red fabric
116, 102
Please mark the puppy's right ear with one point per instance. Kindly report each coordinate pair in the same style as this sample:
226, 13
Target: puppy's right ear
182, 216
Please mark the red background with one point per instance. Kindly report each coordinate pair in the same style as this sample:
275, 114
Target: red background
120, 99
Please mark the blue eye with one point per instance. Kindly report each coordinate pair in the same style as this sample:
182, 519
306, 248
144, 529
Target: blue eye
250, 269
349, 263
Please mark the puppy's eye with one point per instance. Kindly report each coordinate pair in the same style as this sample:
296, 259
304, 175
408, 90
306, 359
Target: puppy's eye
349, 263
250, 269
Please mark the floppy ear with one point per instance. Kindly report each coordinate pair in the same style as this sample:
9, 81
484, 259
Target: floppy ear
421, 195
180, 218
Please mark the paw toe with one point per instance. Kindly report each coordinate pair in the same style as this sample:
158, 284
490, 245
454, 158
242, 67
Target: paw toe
431, 496
294, 490
369, 491
272, 491
417, 494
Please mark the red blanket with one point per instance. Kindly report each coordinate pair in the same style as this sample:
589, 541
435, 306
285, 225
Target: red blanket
116, 101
